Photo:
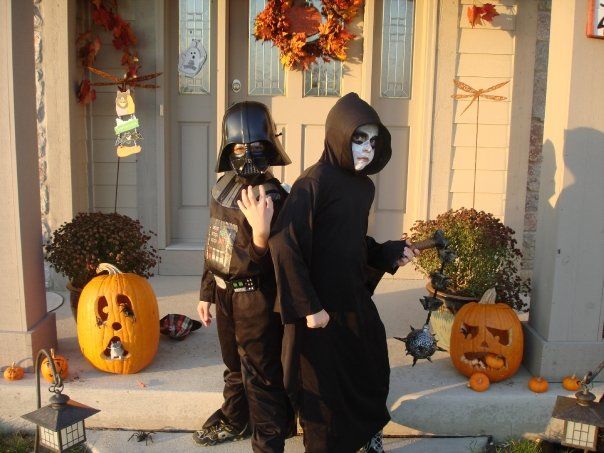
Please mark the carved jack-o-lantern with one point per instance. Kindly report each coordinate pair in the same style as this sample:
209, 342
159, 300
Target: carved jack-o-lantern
118, 322
487, 337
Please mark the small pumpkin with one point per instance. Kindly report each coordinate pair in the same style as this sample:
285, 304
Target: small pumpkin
479, 382
60, 364
118, 321
571, 383
494, 361
13, 373
484, 334
538, 384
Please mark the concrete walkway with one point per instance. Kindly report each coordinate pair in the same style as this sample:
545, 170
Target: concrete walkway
110, 441
183, 385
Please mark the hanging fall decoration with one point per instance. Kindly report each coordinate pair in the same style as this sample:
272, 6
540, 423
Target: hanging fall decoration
105, 15
303, 34
486, 12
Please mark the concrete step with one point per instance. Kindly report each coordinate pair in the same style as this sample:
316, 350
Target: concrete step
111, 441
183, 385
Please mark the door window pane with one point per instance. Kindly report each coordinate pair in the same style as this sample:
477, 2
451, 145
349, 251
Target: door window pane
397, 48
265, 72
194, 28
323, 78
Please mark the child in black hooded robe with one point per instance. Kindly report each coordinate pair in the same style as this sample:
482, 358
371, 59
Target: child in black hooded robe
327, 268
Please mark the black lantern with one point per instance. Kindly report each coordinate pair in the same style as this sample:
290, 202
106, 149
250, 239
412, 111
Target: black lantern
583, 416
60, 425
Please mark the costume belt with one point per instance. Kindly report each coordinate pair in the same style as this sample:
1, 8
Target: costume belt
238, 285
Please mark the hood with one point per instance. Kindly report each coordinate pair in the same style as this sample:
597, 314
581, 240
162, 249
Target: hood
247, 122
345, 116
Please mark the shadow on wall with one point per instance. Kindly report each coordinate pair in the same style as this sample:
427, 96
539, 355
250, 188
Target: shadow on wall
570, 239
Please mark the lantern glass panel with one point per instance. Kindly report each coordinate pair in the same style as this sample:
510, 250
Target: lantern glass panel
73, 435
49, 439
580, 434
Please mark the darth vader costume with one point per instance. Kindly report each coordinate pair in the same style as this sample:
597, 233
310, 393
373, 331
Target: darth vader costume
337, 376
241, 282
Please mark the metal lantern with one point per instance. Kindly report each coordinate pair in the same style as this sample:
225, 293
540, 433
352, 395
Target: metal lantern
583, 416
60, 425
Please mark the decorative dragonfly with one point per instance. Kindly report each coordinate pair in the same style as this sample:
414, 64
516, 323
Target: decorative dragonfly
127, 81
476, 94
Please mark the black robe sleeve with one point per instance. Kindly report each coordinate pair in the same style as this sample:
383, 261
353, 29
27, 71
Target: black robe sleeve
208, 284
291, 250
384, 257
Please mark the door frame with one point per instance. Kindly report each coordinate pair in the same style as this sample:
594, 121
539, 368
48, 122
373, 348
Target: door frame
418, 191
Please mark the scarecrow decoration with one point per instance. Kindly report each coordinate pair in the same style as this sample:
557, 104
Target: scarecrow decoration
126, 124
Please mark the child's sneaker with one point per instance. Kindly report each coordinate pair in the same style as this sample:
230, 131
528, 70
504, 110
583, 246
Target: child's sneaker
220, 433
375, 445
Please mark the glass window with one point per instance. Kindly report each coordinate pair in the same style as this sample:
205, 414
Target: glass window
323, 78
265, 72
193, 47
397, 48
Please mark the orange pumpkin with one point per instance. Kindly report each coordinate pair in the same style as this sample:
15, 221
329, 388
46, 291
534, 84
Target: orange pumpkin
571, 383
494, 361
60, 364
13, 373
538, 384
479, 382
118, 321
487, 336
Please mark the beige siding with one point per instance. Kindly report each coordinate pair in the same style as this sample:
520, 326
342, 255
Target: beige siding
485, 57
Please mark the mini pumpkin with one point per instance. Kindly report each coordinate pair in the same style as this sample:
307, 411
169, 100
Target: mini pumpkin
60, 365
13, 373
487, 337
494, 361
479, 382
538, 384
571, 383
118, 321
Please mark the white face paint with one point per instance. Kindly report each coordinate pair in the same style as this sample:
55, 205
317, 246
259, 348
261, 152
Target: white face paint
363, 145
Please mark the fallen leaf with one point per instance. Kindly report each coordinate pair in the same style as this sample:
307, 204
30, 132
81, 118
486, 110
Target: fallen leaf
489, 12
474, 13
141, 384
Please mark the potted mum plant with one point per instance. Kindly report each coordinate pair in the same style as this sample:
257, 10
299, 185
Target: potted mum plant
487, 257
77, 247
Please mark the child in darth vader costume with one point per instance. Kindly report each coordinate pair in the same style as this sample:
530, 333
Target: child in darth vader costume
238, 278
335, 356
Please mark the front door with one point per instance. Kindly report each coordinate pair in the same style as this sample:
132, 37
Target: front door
381, 64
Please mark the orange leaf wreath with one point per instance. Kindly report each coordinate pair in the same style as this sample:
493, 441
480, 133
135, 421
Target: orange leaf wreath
105, 15
274, 23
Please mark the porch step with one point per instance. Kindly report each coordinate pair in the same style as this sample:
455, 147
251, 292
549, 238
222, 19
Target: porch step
183, 385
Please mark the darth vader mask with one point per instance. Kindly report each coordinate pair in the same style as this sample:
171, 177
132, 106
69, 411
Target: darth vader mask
363, 144
250, 159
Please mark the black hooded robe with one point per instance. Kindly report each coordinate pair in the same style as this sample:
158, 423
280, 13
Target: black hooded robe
338, 376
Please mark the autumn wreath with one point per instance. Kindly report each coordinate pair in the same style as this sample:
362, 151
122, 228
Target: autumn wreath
303, 34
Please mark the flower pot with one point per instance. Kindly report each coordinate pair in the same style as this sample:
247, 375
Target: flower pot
74, 297
441, 320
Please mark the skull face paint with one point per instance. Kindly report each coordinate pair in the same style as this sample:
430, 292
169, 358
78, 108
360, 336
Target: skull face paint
363, 145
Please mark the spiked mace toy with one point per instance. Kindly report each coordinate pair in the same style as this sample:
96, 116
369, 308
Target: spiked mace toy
421, 343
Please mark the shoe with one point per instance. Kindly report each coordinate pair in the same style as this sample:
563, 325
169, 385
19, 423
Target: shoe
220, 433
375, 445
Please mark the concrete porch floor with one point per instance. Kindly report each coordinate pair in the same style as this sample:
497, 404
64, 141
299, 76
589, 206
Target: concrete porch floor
183, 385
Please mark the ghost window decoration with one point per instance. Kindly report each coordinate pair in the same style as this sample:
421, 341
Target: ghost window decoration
192, 59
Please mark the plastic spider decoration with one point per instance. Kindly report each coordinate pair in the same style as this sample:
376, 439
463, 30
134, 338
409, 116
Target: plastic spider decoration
142, 436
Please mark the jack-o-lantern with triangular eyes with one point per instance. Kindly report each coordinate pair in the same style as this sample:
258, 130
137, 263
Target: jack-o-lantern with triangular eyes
118, 322
487, 337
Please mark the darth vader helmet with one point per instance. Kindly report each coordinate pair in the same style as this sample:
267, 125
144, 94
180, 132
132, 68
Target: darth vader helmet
249, 141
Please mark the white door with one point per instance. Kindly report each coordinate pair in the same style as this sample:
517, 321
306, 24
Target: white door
299, 101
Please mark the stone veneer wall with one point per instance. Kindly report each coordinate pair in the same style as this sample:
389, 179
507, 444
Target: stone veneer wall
41, 129
536, 143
